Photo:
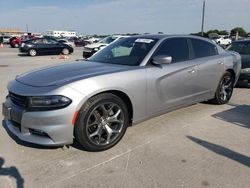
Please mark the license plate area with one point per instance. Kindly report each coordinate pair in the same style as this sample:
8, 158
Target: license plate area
6, 111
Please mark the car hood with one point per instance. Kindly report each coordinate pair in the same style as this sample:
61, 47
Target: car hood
67, 73
96, 45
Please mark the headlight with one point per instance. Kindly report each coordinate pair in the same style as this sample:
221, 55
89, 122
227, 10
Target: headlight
96, 49
48, 102
246, 70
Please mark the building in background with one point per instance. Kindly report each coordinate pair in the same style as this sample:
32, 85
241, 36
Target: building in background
10, 31
70, 33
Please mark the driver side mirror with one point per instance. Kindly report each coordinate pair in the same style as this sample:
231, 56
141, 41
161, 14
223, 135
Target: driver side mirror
162, 59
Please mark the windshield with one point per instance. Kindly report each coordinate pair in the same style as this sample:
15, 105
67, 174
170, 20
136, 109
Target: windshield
128, 51
240, 47
108, 40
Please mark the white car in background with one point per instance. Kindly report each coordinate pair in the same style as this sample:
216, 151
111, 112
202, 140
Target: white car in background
65, 41
223, 40
90, 49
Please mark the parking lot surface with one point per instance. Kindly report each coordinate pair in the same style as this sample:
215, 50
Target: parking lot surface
202, 145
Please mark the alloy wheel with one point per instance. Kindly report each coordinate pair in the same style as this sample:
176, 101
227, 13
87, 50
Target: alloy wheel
65, 51
226, 88
105, 123
32, 52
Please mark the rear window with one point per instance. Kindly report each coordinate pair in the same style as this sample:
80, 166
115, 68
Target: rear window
203, 48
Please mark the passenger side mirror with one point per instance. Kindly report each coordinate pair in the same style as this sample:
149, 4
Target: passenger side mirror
162, 59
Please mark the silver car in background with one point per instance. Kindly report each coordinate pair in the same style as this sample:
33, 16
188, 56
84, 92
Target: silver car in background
129, 81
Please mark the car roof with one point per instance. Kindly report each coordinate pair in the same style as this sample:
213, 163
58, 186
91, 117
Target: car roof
164, 36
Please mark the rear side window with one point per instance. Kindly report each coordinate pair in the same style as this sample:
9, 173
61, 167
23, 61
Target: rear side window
177, 48
203, 48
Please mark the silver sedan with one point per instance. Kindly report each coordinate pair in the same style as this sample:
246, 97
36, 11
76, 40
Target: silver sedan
129, 81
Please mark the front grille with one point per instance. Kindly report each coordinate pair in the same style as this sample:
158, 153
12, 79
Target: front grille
18, 100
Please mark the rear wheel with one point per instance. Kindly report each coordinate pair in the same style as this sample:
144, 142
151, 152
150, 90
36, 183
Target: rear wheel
65, 51
101, 122
224, 90
32, 52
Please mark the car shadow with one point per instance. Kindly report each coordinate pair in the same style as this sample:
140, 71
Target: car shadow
223, 151
12, 172
238, 115
77, 146
27, 144
22, 55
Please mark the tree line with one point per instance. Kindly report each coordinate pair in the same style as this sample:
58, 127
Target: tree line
241, 31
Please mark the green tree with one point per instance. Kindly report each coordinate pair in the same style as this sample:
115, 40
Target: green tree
223, 32
240, 30
213, 31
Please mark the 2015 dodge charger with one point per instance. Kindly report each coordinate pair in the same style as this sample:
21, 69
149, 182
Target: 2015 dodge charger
131, 80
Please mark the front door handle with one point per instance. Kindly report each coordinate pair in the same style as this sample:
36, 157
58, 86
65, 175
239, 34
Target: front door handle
191, 71
221, 63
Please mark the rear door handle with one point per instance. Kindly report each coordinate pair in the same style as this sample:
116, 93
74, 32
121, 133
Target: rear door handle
221, 63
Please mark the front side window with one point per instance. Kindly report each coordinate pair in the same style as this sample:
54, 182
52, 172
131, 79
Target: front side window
128, 51
177, 48
51, 41
37, 41
203, 48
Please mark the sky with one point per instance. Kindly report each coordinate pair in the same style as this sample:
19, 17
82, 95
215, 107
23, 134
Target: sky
124, 16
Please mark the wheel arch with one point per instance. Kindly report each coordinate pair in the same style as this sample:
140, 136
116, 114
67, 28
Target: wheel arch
232, 72
125, 98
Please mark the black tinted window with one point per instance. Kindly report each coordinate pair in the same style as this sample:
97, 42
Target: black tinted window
203, 48
177, 48
241, 47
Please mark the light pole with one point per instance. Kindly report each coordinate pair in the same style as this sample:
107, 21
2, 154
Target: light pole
27, 28
203, 15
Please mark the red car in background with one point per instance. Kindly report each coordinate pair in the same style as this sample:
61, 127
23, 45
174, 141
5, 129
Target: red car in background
15, 42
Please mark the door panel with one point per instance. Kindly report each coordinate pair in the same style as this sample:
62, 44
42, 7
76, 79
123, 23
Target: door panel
210, 70
210, 67
171, 85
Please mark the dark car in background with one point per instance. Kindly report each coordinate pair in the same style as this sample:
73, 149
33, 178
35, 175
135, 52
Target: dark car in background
81, 42
42, 46
243, 48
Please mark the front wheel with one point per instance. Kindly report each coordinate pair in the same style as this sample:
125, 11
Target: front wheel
101, 122
32, 52
65, 51
224, 90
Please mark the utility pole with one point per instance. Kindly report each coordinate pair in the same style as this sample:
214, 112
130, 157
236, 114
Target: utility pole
27, 28
203, 15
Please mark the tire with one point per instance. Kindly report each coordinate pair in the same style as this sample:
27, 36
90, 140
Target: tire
101, 122
32, 52
65, 51
224, 90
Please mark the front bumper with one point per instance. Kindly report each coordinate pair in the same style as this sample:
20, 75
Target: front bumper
48, 128
23, 50
244, 80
